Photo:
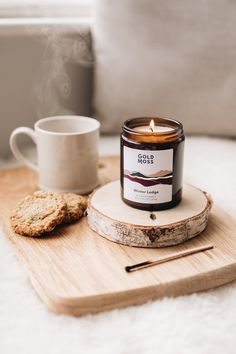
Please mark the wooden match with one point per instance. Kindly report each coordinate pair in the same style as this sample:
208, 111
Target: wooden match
173, 256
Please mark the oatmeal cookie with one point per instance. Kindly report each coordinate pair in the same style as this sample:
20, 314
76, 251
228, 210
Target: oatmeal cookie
38, 213
76, 206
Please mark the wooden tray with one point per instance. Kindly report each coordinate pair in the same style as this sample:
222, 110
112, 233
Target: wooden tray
77, 272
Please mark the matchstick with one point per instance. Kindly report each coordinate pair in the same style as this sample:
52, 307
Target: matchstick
176, 255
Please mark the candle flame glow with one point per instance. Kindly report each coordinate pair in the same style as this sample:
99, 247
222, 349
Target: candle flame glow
151, 125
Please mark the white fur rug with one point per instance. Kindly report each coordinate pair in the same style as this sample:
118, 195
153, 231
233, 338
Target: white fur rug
200, 323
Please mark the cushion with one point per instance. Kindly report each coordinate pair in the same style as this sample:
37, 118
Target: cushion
167, 58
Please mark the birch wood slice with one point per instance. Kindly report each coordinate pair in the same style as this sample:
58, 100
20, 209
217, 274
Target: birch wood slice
111, 218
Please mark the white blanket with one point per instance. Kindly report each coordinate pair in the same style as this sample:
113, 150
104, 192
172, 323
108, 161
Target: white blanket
200, 323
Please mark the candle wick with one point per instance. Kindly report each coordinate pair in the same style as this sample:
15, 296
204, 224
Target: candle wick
151, 129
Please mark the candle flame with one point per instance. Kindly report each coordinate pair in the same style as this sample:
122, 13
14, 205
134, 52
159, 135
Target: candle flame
151, 125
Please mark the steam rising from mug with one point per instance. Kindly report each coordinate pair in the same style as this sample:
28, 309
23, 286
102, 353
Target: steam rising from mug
65, 46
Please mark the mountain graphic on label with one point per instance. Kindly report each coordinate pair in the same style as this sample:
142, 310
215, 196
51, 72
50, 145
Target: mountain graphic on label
159, 177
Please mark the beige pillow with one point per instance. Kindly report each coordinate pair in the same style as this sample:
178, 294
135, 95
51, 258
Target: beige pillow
168, 58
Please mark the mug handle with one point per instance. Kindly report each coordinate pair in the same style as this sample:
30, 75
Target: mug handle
15, 149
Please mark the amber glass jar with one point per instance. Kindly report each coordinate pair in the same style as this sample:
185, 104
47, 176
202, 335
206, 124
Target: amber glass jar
152, 152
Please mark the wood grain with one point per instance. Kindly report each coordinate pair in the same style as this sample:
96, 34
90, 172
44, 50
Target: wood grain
75, 271
111, 218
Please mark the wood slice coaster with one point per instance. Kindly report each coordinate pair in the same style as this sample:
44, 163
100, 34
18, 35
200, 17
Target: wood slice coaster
111, 218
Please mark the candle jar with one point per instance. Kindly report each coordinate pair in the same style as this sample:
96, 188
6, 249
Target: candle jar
152, 163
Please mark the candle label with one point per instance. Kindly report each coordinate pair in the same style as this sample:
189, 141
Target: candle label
148, 175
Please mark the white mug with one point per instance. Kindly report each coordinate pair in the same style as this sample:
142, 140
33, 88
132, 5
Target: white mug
67, 153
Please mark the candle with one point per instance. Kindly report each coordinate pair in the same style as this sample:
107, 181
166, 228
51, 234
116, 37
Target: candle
152, 163
153, 128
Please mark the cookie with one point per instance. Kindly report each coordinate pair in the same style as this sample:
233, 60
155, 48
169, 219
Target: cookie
76, 206
38, 213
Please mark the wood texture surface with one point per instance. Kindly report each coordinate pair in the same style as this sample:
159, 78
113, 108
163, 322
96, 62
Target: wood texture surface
111, 218
75, 271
